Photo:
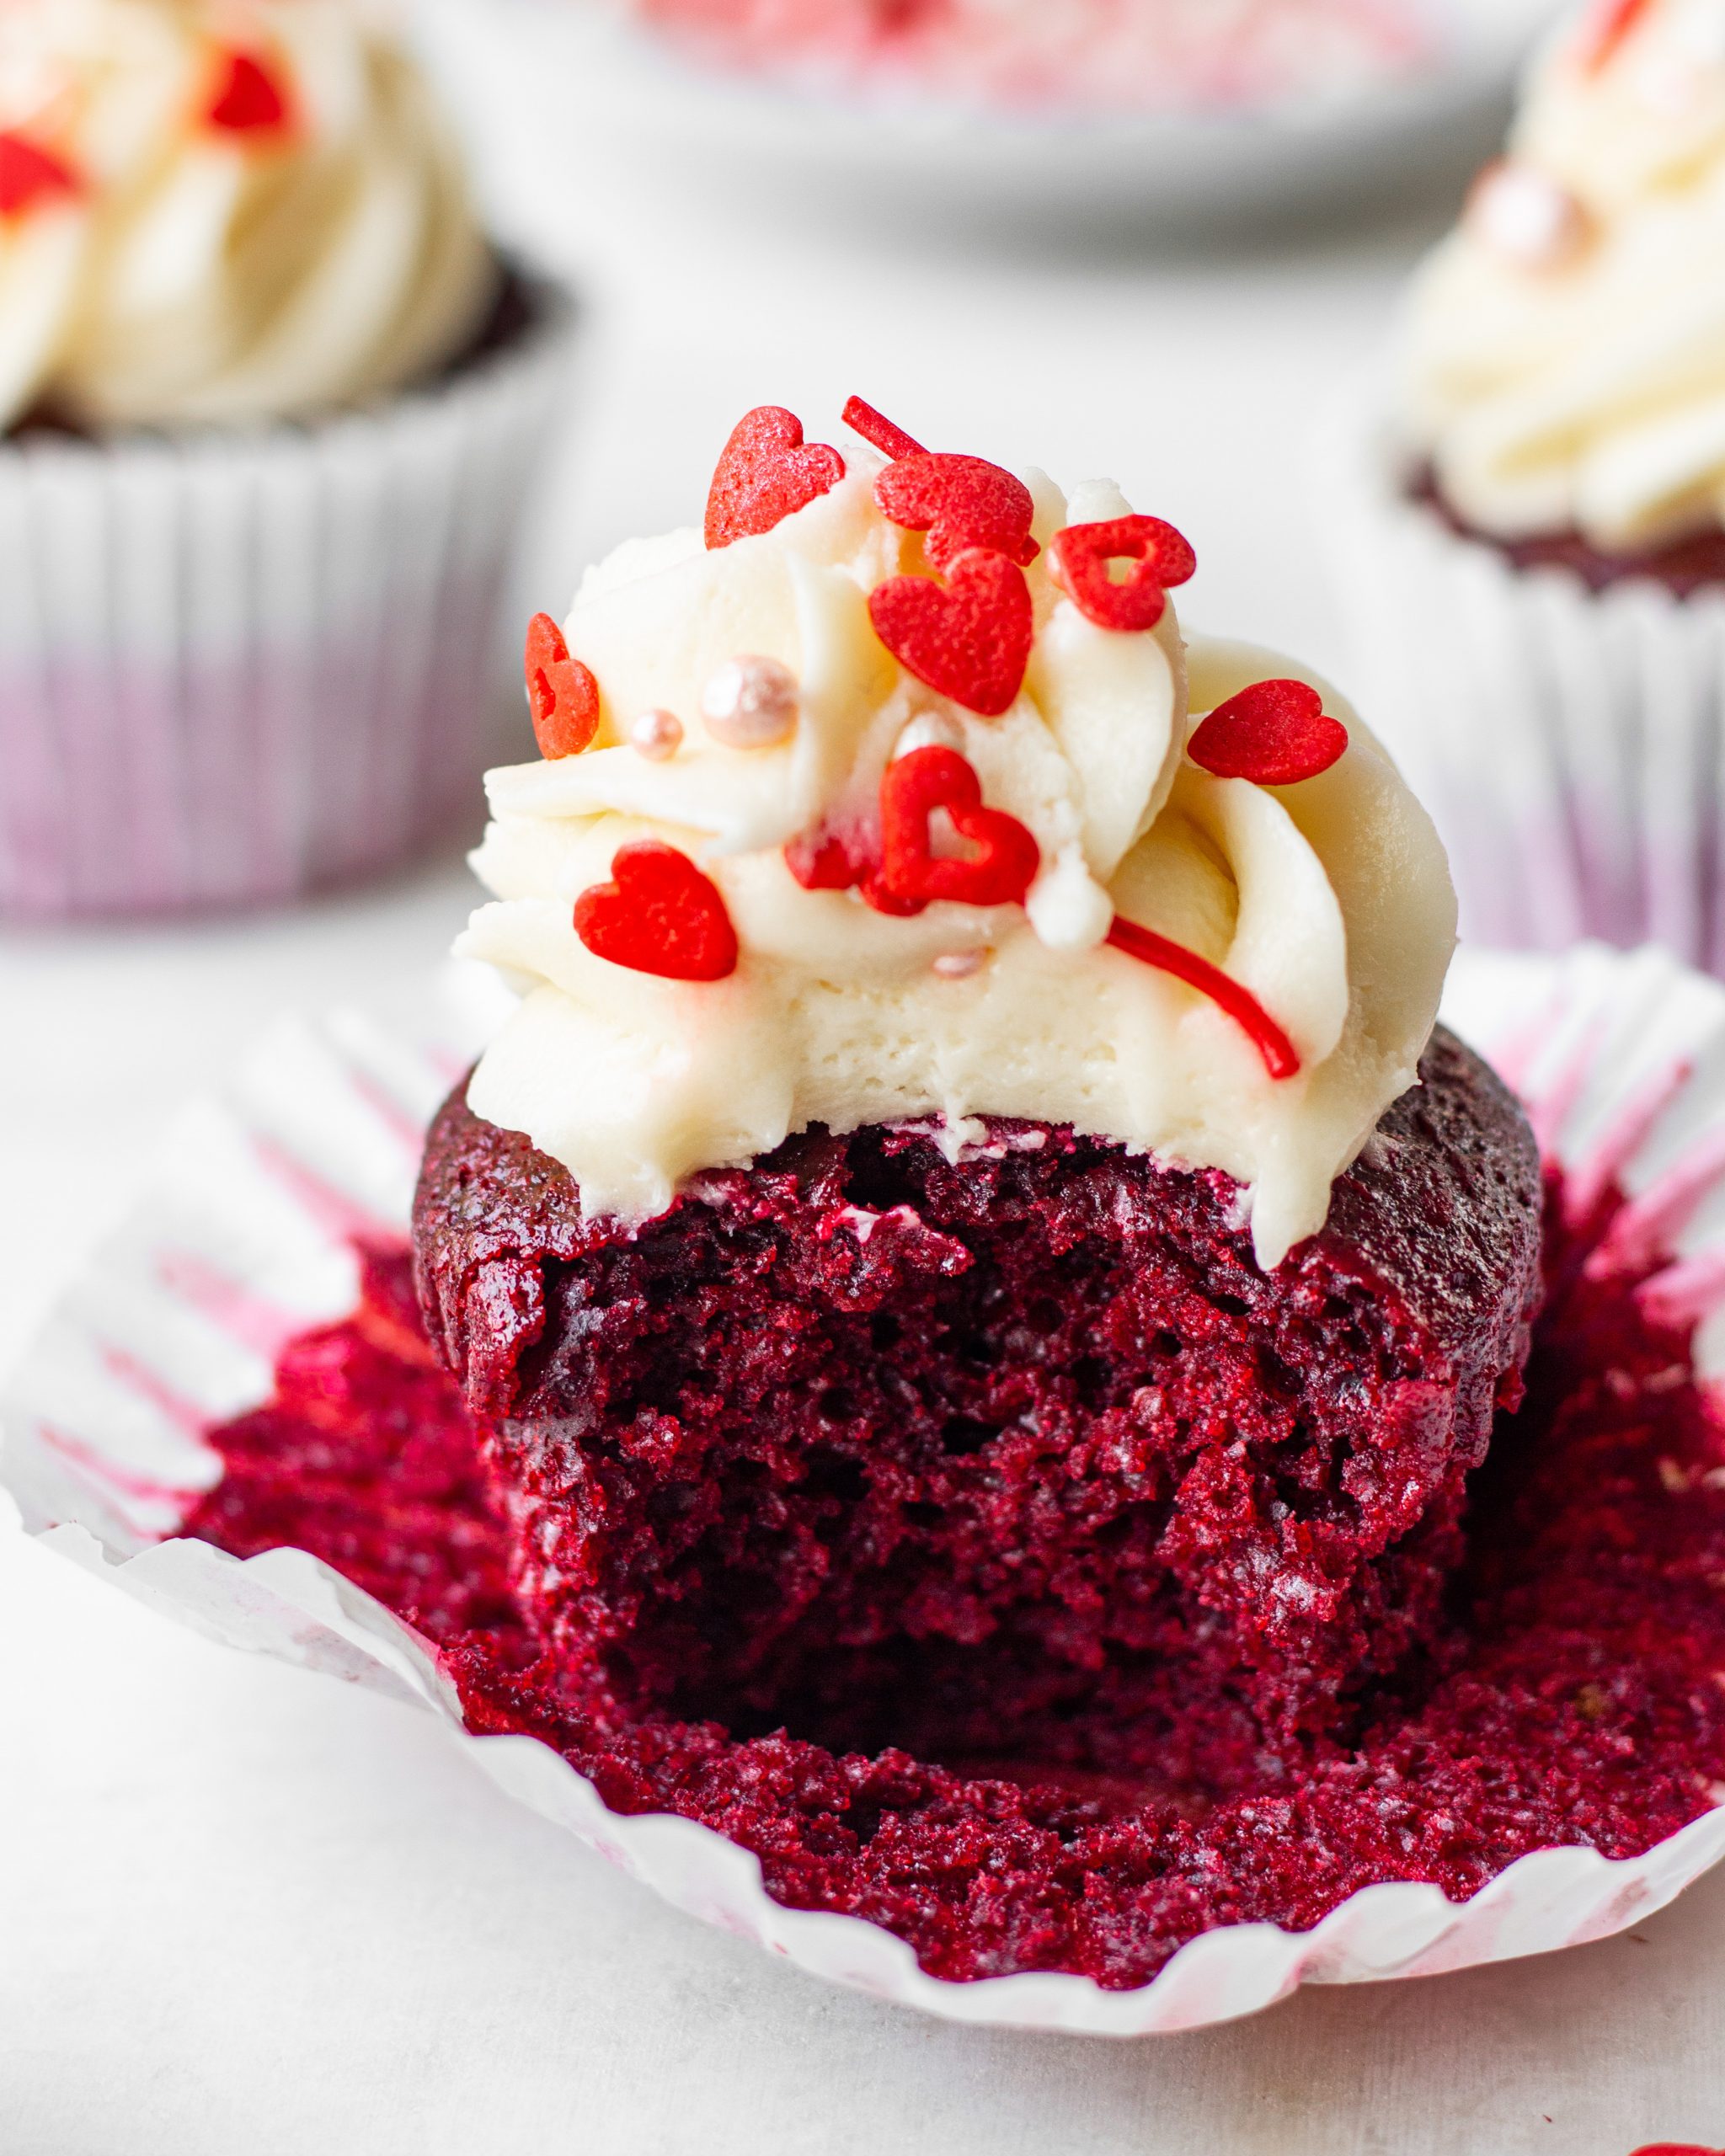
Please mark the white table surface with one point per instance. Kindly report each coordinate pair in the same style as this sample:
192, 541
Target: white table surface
242, 1908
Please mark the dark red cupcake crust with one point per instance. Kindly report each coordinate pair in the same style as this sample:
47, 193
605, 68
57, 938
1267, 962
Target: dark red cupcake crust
1685, 566
1021, 1455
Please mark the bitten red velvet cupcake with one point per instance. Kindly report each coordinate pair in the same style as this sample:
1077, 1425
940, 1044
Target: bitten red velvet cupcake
971, 1239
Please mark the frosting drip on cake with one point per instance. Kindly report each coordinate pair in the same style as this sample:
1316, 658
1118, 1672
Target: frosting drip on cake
222, 210
1565, 363
1323, 905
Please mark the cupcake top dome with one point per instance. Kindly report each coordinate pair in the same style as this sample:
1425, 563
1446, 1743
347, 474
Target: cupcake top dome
222, 211
1565, 353
879, 798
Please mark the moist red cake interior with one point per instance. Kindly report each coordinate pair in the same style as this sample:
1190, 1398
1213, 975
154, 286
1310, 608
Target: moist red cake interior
1023, 1455
1684, 566
1576, 1699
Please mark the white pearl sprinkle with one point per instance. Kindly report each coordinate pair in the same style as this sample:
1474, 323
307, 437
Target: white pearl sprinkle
751, 703
657, 735
960, 965
1527, 216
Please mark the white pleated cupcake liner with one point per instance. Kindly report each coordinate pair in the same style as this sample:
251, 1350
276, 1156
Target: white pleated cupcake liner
1570, 743
237, 665
245, 1237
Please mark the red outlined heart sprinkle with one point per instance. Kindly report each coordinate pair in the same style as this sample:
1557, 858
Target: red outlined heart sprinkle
877, 430
659, 915
911, 875
1274, 734
248, 98
968, 638
960, 502
561, 694
1078, 561
1279, 1056
30, 174
767, 472
1601, 36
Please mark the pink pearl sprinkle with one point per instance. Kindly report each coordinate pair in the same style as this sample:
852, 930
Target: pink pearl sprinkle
1527, 217
751, 703
960, 965
657, 735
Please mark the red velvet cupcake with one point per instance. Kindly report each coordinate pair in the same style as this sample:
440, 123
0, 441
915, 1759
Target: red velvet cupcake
1021, 1455
1533, 536
946, 1253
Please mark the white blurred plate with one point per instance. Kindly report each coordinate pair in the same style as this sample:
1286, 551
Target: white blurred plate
587, 78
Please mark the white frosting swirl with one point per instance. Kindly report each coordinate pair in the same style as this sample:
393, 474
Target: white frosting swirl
1329, 900
1566, 347
194, 271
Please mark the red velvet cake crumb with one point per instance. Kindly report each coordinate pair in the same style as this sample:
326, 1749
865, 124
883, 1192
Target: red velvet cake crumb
1574, 1699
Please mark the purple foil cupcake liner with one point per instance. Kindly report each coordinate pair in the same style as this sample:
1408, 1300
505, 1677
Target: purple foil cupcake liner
238, 666
1569, 744
245, 1237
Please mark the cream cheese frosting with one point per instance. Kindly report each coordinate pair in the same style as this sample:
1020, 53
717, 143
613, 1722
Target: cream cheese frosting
1565, 349
223, 211
1328, 901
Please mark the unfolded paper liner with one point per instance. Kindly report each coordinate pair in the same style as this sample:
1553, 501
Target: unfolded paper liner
245, 1237
1570, 743
237, 665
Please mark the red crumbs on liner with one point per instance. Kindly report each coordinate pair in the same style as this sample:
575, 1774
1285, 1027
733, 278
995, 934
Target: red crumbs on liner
1274, 733
959, 502
877, 430
562, 693
1578, 1705
1078, 561
30, 174
911, 875
968, 638
1280, 1057
248, 98
766, 473
659, 915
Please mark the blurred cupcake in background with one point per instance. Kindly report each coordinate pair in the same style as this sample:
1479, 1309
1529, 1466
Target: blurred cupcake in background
271, 402
1533, 538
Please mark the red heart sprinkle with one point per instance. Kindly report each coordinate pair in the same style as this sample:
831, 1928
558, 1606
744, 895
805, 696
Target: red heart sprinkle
766, 474
969, 638
821, 860
1239, 1004
911, 875
30, 174
1275, 733
1612, 23
1078, 560
658, 915
248, 98
959, 502
877, 430
561, 694
1678, 2148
